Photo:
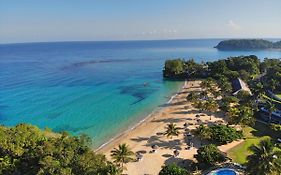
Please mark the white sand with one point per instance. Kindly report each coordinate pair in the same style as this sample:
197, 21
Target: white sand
150, 132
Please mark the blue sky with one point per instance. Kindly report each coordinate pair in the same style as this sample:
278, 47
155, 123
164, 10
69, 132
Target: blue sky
69, 20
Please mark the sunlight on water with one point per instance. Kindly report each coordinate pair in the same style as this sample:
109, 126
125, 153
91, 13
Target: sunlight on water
95, 88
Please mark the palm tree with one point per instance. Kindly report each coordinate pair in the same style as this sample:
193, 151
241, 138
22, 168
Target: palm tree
211, 106
271, 108
233, 114
258, 90
199, 105
172, 130
264, 160
246, 116
203, 132
243, 115
122, 155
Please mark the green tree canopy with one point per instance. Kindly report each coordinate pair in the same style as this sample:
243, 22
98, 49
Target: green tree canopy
174, 68
173, 169
25, 149
265, 160
209, 155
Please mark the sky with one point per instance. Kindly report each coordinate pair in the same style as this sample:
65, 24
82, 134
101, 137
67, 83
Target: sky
95, 20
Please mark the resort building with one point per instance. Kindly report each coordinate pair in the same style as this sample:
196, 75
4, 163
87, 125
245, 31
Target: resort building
275, 116
239, 85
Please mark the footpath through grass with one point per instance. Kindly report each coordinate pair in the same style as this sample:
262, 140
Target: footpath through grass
253, 135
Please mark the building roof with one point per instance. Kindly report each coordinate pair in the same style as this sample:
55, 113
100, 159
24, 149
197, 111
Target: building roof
239, 85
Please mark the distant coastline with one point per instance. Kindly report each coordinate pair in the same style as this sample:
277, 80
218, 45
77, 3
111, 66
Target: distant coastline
248, 44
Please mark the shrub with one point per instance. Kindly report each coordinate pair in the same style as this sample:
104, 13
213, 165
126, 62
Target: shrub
173, 169
209, 155
221, 134
28, 150
224, 134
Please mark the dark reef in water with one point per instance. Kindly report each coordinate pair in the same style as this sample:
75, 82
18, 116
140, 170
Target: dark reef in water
139, 91
61, 128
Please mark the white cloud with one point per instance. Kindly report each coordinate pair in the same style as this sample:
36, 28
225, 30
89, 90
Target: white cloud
160, 32
233, 25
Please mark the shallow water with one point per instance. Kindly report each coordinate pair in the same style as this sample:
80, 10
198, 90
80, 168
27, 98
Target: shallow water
97, 88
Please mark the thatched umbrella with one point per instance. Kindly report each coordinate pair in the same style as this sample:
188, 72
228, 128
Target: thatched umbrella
176, 153
154, 147
197, 115
139, 156
185, 125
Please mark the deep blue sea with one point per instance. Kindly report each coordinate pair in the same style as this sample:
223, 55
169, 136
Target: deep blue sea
97, 88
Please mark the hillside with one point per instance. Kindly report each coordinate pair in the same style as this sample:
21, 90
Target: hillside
244, 44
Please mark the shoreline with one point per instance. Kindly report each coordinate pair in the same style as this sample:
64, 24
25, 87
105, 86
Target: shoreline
150, 131
145, 119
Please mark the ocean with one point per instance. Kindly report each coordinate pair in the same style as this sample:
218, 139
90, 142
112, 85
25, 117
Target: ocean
96, 88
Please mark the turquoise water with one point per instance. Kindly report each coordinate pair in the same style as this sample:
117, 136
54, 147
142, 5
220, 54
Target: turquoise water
97, 88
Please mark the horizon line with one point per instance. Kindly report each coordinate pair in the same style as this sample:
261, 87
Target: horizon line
134, 40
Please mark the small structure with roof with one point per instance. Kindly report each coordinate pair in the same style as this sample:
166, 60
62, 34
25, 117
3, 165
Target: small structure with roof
239, 85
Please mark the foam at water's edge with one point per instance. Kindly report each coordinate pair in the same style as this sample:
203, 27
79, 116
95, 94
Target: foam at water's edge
141, 121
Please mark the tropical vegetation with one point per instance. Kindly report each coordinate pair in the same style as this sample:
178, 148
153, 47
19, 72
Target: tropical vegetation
242, 44
265, 160
173, 169
221, 134
171, 130
25, 149
209, 155
122, 155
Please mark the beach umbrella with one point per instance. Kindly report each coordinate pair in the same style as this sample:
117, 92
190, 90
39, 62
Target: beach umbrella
139, 156
197, 115
189, 136
185, 124
176, 153
154, 146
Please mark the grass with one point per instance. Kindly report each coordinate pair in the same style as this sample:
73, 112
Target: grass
253, 135
278, 95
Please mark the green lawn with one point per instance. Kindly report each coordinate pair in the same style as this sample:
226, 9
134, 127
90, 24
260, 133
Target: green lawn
253, 135
278, 95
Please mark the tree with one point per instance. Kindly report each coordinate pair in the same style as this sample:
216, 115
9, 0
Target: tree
203, 132
211, 105
244, 96
25, 149
233, 114
208, 85
174, 69
193, 96
173, 169
122, 155
172, 130
264, 160
243, 115
271, 108
209, 155
257, 89
221, 134
199, 105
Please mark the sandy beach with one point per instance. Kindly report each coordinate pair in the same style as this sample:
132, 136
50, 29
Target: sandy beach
150, 132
